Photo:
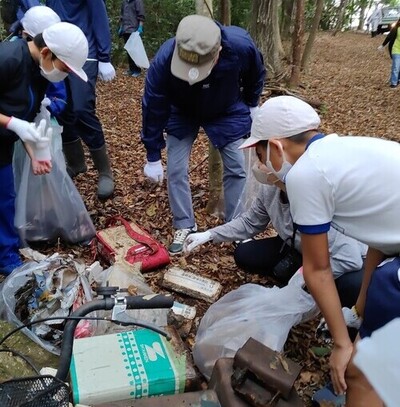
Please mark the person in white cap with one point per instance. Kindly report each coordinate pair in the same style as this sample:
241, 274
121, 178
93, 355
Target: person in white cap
209, 76
26, 69
351, 184
34, 21
79, 120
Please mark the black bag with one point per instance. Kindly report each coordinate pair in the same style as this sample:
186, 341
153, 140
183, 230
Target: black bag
291, 261
8, 10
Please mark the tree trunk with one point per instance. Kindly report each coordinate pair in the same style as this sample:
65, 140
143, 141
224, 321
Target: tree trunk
215, 203
340, 16
313, 33
286, 18
361, 22
226, 12
297, 44
264, 28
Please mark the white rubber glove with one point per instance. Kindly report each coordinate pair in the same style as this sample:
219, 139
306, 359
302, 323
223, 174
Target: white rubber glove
25, 131
380, 48
106, 71
154, 171
41, 148
196, 239
253, 111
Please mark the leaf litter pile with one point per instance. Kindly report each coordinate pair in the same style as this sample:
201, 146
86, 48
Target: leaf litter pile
347, 75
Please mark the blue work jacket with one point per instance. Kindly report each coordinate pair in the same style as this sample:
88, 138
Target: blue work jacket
220, 103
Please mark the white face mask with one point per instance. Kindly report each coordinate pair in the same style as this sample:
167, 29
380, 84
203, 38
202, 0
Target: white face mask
285, 168
55, 75
262, 176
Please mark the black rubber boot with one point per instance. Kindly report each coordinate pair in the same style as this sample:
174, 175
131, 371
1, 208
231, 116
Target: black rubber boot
105, 187
74, 157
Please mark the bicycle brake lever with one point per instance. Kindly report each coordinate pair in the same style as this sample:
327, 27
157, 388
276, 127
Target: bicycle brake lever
120, 316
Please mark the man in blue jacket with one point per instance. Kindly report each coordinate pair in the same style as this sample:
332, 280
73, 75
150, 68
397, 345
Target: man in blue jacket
79, 118
209, 76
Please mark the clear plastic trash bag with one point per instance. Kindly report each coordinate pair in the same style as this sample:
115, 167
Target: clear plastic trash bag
252, 311
49, 206
135, 48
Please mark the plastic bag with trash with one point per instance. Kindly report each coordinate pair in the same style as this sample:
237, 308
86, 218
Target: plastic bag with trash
52, 287
264, 313
49, 206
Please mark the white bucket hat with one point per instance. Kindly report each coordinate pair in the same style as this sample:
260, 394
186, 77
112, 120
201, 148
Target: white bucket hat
282, 117
69, 44
38, 18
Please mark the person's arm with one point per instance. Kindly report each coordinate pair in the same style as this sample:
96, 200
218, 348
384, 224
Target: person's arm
101, 29
139, 6
374, 257
319, 280
253, 71
156, 104
57, 94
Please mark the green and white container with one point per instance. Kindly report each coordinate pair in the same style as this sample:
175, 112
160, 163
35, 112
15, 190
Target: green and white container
127, 365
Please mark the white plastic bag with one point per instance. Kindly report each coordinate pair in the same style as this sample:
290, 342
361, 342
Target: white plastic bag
135, 48
49, 206
66, 297
263, 313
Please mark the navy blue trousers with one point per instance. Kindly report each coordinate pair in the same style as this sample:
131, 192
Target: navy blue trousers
79, 118
9, 239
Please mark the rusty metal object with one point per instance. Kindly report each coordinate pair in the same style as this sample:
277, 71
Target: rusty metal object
221, 382
257, 362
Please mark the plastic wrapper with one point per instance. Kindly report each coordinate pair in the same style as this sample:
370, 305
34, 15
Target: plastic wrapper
52, 287
252, 311
49, 206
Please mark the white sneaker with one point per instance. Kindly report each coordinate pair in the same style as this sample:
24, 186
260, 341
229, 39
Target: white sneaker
180, 236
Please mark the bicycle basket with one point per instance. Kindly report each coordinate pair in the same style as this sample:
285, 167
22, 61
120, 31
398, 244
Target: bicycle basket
38, 391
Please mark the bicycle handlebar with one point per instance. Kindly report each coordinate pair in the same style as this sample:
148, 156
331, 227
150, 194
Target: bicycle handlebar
106, 304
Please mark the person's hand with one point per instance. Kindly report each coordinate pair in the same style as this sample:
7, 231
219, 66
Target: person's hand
46, 102
338, 362
380, 48
140, 30
41, 147
154, 171
25, 131
106, 71
253, 111
41, 167
196, 239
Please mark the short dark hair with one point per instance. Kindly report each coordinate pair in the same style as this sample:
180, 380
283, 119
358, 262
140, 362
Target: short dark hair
41, 43
301, 137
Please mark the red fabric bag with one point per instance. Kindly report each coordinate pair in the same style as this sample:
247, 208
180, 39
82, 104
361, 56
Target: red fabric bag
131, 243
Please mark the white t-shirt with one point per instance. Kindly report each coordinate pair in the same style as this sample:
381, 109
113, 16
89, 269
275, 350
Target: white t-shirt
351, 184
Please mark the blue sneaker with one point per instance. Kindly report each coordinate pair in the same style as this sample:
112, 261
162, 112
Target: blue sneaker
7, 270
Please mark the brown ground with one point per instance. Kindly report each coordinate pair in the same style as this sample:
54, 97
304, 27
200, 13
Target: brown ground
347, 74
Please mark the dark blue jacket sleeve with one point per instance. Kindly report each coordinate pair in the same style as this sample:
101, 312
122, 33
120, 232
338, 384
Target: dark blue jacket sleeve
156, 105
25, 5
101, 29
252, 71
57, 93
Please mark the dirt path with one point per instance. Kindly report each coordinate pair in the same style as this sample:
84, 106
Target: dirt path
351, 76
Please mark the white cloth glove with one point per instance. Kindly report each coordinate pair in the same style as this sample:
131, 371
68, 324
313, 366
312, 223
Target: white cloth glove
196, 239
253, 111
154, 171
380, 48
46, 102
25, 131
106, 71
41, 148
